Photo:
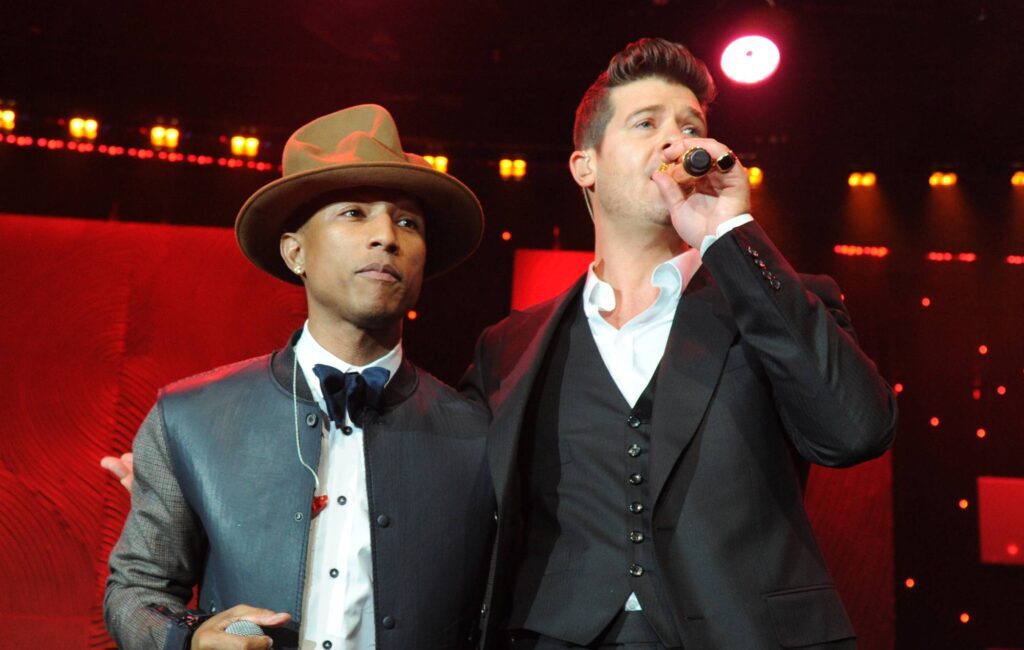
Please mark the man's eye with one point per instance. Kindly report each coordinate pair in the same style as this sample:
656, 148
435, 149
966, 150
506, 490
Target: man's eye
645, 124
406, 222
691, 130
350, 212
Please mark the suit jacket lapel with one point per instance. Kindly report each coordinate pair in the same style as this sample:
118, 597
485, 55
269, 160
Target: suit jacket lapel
702, 332
531, 332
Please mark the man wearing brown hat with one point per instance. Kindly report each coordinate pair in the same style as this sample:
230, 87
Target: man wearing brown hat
330, 492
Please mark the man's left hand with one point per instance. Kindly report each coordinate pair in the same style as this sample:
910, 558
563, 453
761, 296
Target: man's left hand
698, 205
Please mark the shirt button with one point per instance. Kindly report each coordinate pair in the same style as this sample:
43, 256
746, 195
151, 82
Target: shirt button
346, 430
634, 450
753, 253
383, 521
388, 622
776, 285
633, 421
311, 419
636, 507
342, 501
761, 264
328, 645
636, 570
334, 573
636, 537
636, 479
297, 516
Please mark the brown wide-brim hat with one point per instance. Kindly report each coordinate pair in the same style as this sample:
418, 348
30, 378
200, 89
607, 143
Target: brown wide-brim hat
357, 147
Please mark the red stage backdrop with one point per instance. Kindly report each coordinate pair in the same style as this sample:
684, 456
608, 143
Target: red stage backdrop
96, 316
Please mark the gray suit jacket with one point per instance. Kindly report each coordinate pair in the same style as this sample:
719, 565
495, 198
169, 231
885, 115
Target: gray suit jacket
760, 375
220, 500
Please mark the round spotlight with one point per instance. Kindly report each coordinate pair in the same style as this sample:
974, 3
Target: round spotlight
750, 59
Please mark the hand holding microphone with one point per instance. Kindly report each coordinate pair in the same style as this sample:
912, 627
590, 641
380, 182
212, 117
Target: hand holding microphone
703, 185
238, 628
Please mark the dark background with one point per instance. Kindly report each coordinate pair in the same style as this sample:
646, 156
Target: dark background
901, 88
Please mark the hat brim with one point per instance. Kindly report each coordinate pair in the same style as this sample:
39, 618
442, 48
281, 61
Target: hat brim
454, 218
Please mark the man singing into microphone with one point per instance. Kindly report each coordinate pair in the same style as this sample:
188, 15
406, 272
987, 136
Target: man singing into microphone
651, 427
330, 492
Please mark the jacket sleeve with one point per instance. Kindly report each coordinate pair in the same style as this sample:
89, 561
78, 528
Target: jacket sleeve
835, 406
156, 561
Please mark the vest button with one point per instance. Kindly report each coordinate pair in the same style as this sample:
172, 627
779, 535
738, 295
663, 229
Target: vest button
633, 422
634, 450
388, 622
342, 501
636, 507
297, 516
383, 521
334, 573
636, 537
636, 479
328, 645
346, 430
311, 419
636, 570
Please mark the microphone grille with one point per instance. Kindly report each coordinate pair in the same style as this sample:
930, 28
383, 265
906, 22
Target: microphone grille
244, 628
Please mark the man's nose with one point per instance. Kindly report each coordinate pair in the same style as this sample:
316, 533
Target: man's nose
383, 233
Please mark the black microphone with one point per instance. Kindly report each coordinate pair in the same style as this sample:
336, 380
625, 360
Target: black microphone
697, 162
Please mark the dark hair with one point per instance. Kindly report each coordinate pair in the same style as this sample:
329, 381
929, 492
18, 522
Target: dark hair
646, 58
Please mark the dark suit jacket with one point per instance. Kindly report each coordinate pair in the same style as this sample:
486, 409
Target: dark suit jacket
761, 374
220, 500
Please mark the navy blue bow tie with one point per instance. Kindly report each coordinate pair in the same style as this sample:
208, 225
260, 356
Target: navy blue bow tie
351, 391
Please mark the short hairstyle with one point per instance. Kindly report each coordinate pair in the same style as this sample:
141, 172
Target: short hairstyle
646, 58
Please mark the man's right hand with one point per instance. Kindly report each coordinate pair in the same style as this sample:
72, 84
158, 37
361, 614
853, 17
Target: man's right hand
120, 467
211, 635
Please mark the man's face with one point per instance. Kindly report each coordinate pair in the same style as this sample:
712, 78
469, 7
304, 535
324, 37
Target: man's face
647, 116
363, 257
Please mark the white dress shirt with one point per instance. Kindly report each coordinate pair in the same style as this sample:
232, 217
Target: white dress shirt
632, 353
337, 602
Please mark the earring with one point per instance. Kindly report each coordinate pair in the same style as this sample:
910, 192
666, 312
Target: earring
297, 270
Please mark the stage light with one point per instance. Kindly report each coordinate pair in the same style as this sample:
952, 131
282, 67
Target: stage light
909, 582
755, 175
506, 236
981, 433
982, 349
440, 163
965, 617
412, 315
942, 179
934, 422
750, 59
164, 136
83, 128
509, 168
963, 504
7, 119
862, 179
897, 388
242, 145
1017, 180
926, 302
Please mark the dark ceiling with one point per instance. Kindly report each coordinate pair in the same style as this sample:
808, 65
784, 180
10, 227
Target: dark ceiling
886, 83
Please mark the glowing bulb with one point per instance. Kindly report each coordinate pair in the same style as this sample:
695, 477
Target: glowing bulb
750, 59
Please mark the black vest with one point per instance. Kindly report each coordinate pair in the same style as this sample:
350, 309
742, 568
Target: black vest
584, 464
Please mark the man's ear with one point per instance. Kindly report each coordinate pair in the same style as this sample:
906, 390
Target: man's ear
581, 167
292, 252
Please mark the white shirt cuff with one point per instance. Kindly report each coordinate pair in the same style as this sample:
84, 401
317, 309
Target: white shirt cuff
723, 228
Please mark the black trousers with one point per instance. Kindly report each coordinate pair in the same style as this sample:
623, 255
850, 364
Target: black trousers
628, 631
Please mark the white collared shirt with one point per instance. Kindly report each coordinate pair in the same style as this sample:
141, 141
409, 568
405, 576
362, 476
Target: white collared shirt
632, 353
337, 603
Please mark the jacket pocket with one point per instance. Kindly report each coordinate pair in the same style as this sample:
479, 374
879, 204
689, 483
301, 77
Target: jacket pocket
808, 616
